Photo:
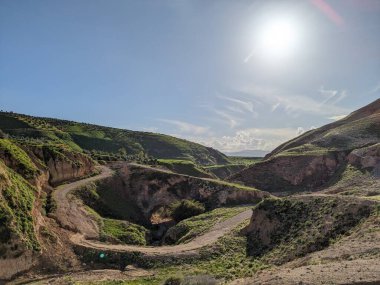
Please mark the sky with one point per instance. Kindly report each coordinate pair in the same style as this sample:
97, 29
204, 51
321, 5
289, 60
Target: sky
235, 75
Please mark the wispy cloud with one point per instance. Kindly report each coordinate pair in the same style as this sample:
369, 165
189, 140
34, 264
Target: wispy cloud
231, 120
241, 105
232, 111
332, 96
293, 104
250, 139
185, 127
338, 117
376, 89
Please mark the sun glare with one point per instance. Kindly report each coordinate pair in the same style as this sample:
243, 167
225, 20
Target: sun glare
277, 38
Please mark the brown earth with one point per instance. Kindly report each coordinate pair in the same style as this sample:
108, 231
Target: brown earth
139, 193
354, 259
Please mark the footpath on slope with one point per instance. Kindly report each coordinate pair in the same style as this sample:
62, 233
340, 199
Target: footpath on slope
72, 216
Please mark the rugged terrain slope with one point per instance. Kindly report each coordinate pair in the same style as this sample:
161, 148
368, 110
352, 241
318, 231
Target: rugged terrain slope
317, 157
103, 220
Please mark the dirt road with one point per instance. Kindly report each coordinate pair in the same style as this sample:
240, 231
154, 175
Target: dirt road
71, 215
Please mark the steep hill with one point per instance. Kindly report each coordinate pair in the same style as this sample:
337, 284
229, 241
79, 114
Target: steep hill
105, 143
319, 156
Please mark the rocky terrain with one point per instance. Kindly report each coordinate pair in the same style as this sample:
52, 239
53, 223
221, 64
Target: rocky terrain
75, 206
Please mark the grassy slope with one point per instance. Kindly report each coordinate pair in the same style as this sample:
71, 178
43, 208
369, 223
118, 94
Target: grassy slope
357, 130
190, 228
119, 231
111, 143
186, 167
290, 228
16, 203
19, 157
330, 143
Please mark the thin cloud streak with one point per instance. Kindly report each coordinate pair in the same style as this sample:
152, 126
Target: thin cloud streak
294, 103
185, 127
245, 105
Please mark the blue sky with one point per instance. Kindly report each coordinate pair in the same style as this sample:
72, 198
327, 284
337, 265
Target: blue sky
190, 68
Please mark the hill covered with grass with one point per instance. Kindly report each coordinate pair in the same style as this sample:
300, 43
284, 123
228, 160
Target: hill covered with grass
104, 143
321, 157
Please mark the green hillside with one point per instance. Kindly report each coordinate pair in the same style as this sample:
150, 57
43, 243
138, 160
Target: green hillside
105, 143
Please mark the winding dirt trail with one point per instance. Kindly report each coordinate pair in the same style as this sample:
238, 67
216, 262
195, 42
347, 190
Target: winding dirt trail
71, 215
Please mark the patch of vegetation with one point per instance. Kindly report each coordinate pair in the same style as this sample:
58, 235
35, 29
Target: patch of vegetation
109, 143
350, 180
231, 184
241, 160
111, 229
16, 204
190, 228
305, 150
191, 280
23, 163
224, 171
123, 231
185, 209
186, 167
295, 227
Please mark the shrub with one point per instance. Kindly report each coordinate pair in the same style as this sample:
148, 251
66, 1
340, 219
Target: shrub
186, 209
174, 280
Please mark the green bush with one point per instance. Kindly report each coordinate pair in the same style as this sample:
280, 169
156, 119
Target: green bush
186, 209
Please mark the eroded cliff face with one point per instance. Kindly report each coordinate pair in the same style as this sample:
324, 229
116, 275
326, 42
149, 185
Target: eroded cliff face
283, 229
27, 175
146, 192
64, 165
292, 173
367, 158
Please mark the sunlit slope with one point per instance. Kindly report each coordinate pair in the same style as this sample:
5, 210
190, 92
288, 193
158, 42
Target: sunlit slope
321, 157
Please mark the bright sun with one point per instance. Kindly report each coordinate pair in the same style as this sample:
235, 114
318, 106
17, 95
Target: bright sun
277, 38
